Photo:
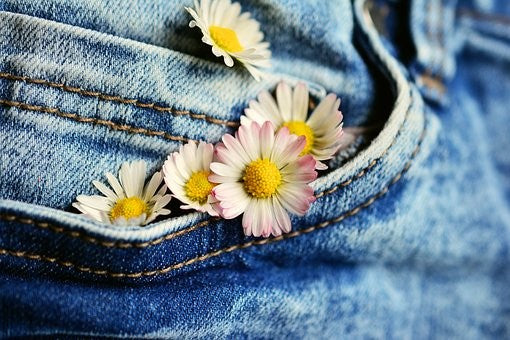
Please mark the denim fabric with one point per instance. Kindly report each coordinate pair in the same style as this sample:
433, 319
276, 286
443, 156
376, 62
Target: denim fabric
407, 239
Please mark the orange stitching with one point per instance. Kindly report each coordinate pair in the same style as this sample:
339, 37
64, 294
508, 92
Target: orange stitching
111, 244
125, 245
229, 249
119, 99
95, 121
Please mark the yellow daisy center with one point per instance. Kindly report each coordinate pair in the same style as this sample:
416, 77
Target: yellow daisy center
261, 178
225, 38
300, 128
128, 208
198, 187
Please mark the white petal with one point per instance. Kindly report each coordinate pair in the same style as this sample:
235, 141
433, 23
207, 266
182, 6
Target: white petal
228, 60
300, 102
189, 154
132, 177
205, 152
95, 201
229, 192
225, 170
269, 105
284, 98
181, 165
162, 202
105, 190
114, 183
327, 108
92, 213
152, 186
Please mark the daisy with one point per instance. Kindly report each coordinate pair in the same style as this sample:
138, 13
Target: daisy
186, 174
130, 202
263, 176
231, 34
322, 128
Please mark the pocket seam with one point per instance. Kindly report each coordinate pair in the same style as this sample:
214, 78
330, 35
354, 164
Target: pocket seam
146, 244
229, 249
118, 99
95, 121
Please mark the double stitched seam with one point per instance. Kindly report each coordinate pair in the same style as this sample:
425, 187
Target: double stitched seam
118, 99
125, 245
229, 249
95, 121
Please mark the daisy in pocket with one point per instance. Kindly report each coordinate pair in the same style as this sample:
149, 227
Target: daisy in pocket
232, 34
264, 177
322, 128
128, 201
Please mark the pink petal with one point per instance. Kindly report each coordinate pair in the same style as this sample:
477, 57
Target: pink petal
234, 146
295, 197
266, 139
281, 217
248, 136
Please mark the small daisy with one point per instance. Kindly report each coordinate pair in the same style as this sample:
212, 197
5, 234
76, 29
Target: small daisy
130, 202
322, 129
231, 34
186, 174
264, 177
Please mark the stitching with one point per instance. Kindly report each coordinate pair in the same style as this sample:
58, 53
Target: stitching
226, 250
126, 245
109, 244
94, 121
118, 99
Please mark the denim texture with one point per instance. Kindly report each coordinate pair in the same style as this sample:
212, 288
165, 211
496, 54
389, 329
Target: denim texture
407, 239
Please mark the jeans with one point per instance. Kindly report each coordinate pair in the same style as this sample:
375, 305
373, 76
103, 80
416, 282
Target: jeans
408, 238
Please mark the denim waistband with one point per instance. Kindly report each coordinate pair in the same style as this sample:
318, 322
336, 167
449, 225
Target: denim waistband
146, 105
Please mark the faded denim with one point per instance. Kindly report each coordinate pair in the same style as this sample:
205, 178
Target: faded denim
409, 238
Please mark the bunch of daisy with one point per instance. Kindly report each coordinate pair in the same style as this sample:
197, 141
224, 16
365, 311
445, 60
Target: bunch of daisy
262, 172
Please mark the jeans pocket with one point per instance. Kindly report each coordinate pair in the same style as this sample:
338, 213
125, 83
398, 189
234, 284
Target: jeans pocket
81, 132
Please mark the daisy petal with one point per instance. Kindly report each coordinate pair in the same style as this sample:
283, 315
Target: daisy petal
284, 97
300, 102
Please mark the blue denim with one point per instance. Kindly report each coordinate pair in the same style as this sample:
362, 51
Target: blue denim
408, 238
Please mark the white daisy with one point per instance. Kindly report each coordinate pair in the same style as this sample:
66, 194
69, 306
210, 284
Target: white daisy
264, 177
322, 128
129, 203
231, 34
186, 174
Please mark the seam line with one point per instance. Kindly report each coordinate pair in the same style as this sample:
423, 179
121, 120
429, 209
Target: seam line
126, 245
119, 99
94, 121
173, 267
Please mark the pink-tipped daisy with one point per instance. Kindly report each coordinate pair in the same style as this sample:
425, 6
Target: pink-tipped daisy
186, 174
130, 202
263, 176
322, 128
232, 34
